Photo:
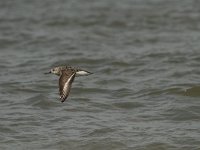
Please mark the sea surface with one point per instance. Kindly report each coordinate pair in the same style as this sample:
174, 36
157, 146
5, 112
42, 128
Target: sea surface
144, 93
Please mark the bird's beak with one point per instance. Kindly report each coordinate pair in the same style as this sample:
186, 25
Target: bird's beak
47, 72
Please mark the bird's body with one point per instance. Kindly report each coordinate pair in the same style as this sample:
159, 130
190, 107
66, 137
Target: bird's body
67, 75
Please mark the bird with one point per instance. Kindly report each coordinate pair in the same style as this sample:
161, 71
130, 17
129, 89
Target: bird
67, 75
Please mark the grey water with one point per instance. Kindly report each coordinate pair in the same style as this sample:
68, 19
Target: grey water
145, 90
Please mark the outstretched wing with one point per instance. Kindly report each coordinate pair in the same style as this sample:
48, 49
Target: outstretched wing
65, 83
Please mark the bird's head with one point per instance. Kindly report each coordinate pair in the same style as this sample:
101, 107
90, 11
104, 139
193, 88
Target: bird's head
55, 70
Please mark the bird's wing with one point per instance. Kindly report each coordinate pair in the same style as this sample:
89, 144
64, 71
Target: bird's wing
65, 83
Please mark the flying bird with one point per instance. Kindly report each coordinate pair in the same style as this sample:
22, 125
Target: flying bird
67, 75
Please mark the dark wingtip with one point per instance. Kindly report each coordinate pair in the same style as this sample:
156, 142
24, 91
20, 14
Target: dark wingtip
62, 100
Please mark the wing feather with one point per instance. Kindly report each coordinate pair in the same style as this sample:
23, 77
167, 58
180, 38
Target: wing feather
65, 83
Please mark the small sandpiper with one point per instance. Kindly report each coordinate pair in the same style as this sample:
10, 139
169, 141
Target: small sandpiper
67, 75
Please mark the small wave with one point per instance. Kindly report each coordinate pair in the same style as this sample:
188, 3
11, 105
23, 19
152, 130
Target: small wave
154, 92
193, 91
158, 146
128, 105
102, 131
182, 114
40, 101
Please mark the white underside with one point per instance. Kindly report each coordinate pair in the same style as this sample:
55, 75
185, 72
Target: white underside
82, 73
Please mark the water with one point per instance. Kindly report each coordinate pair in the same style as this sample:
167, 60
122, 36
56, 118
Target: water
143, 95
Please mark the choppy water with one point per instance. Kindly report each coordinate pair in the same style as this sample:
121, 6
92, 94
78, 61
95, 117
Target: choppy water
144, 93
